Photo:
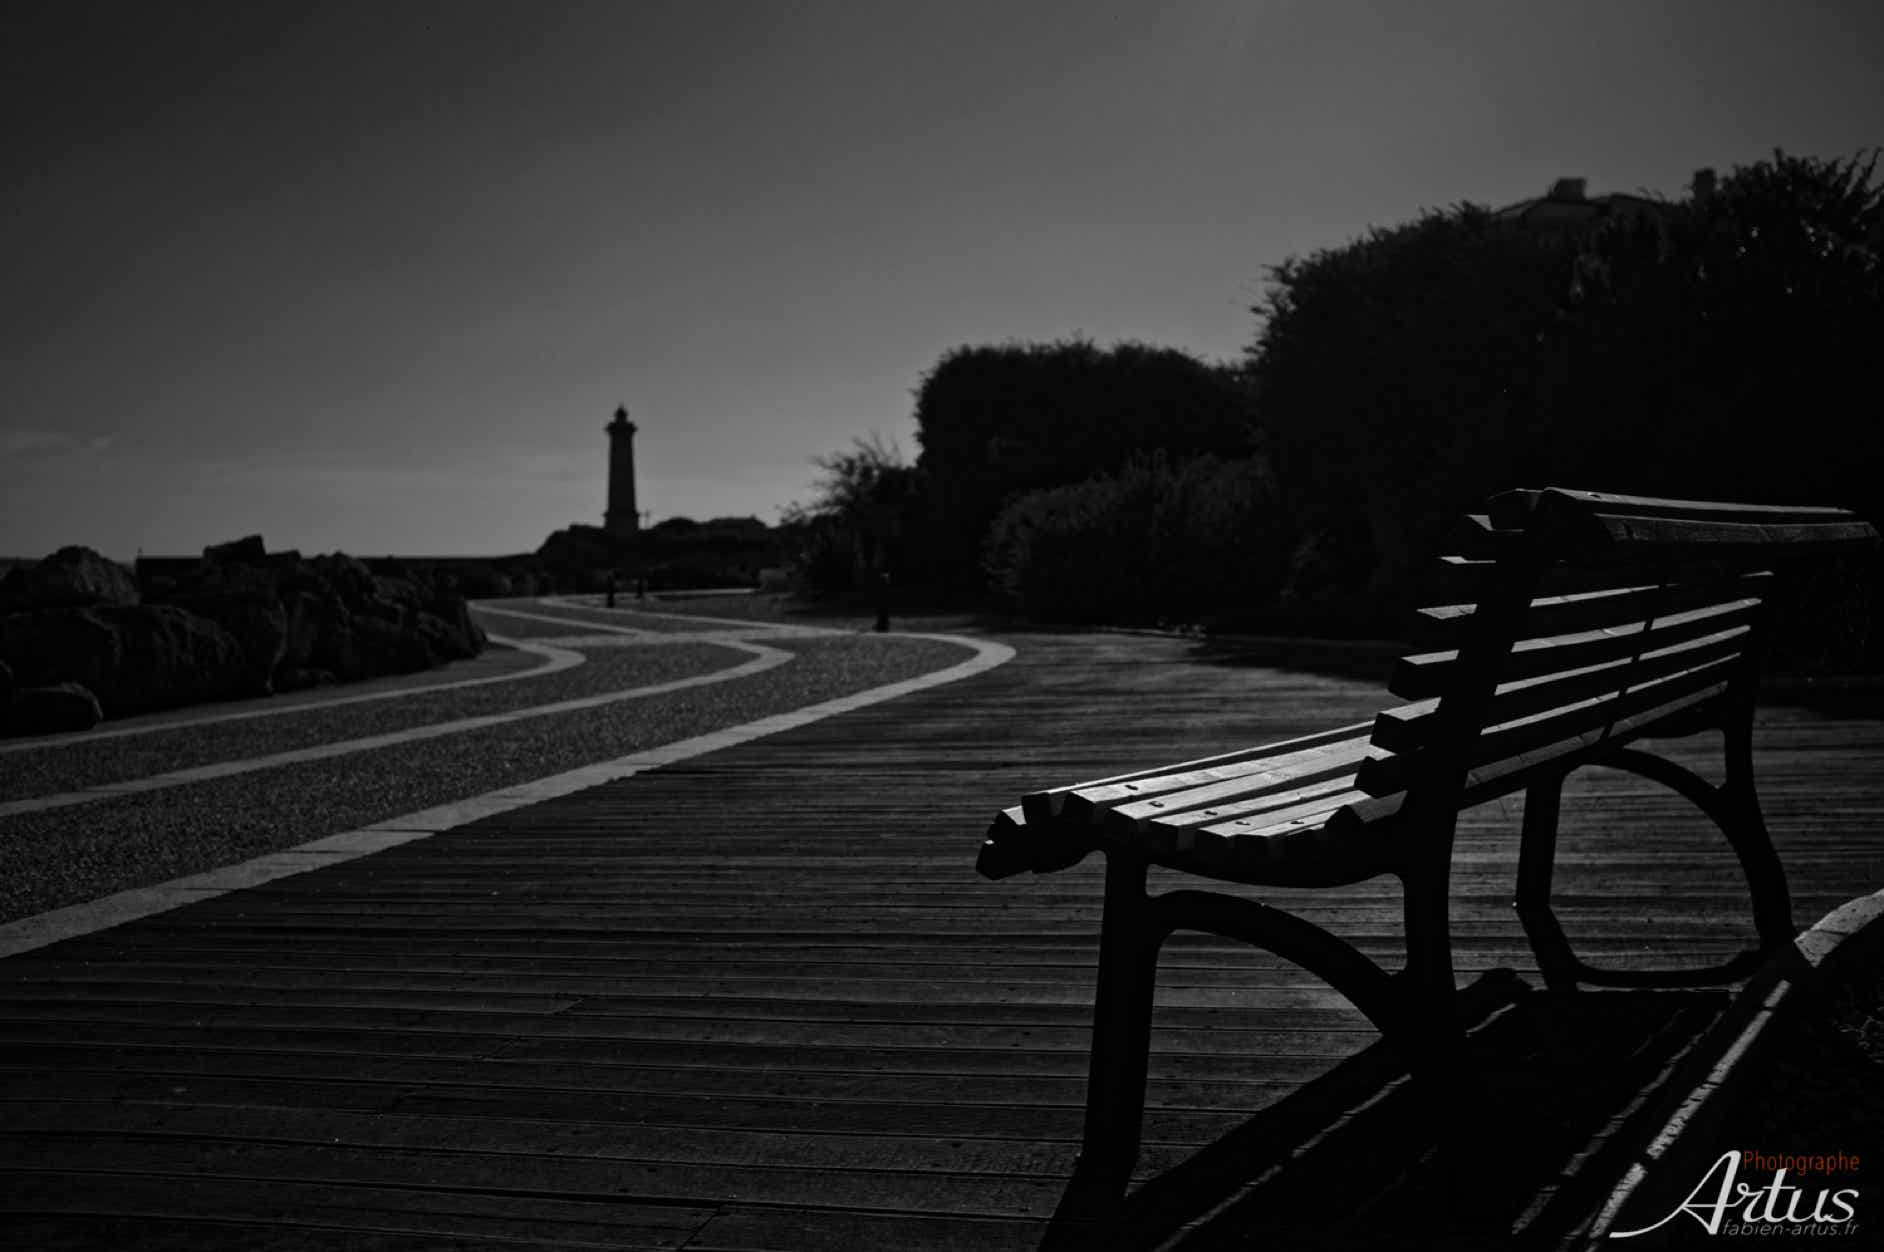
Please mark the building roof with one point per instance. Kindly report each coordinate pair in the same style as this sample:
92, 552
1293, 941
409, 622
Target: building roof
1568, 204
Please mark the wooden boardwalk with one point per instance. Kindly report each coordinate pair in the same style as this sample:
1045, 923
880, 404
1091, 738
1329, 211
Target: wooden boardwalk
762, 1001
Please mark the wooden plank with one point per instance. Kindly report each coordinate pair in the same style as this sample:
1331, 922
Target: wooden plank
1173, 832
1430, 674
1260, 789
1631, 601
1238, 843
1515, 509
1521, 759
1592, 524
1410, 727
1086, 798
363, 1212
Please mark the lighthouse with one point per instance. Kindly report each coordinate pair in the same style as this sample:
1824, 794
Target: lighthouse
621, 518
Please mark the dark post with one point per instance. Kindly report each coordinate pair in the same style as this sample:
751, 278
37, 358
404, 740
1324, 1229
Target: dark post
883, 601
611, 589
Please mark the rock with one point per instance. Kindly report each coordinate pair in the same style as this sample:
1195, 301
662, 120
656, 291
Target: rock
171, 657
242, 621
403, 592
248, 550
312, 616
54, 710
344, 575
241, 598
383, 647
72, 577
297, 678
482, 582
133, 657
464, 638
259, 628
46, 647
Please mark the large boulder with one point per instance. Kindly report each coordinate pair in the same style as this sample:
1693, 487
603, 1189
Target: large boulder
133, 657
248, 550
259, 628
242, 621
241, 598
463, 638
72, 577
59, 709
381, 647
348, 577
313, 615
45, 647
171, 657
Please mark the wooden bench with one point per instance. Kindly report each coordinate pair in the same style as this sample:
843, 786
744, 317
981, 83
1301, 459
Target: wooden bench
1570, 627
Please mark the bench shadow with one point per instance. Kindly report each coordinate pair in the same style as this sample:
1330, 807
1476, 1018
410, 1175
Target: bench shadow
1563, 1089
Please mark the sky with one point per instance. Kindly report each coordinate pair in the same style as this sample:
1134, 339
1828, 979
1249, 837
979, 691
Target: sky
372, 277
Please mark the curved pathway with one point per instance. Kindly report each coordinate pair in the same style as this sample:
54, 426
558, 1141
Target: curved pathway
551, 660
684, 736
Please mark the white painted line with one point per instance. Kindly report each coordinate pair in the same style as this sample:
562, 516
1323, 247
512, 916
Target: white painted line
555, 659
764, 658
125, 906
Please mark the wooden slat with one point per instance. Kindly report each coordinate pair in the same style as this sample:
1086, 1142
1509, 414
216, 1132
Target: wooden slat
1171, 832
1454, 581
1409, 727
1243, 846
1517, 508
1634, 600
1600, 526
1384, 774
1430, 673
1042, 806
1297, 770
1306, 758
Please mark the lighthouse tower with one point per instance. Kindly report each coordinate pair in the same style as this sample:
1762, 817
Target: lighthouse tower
621, 518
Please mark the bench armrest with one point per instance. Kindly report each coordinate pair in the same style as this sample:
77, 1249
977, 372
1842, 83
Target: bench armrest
1013, 845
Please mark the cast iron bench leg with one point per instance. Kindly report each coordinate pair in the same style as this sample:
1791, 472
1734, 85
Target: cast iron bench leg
1537, 857
1121, 1040
1745, 827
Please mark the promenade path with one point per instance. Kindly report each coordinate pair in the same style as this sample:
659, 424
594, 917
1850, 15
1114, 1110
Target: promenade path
759, 999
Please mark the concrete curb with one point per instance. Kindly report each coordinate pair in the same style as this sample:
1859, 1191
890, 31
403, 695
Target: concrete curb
1675, 1160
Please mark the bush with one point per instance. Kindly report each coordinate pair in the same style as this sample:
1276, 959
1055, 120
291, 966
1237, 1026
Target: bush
1713, 348
997, 421
1155, 544
861, 525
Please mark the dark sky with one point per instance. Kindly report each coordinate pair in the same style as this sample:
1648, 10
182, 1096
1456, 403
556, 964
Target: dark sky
373, 276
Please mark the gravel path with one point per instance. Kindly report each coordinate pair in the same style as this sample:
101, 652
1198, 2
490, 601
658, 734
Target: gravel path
64, 856
774, 609
69, 767
665, 619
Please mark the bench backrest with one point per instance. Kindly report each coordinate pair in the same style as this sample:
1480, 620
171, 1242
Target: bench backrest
1572, 621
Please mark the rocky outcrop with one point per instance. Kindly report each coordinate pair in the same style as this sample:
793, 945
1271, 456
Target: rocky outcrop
242, 599
72, 577
132, 657
55, 710
241, 622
